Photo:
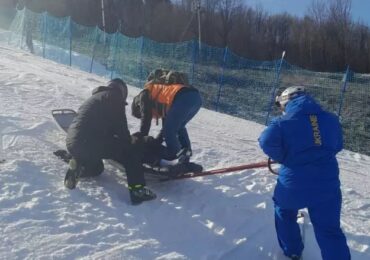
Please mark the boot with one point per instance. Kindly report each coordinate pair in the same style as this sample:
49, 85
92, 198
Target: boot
184, 155
72, 175
140, 193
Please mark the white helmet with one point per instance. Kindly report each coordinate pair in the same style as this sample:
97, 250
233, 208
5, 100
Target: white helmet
289, 94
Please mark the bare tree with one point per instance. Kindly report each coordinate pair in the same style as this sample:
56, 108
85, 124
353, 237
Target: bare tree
227, 10
340, 22
319, 13
326, 39
209, 22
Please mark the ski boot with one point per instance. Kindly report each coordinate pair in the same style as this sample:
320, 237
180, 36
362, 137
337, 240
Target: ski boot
180, 169
183, 156
72, 175
140, 193
295, 257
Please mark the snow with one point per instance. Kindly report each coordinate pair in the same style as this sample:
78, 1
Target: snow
227, 216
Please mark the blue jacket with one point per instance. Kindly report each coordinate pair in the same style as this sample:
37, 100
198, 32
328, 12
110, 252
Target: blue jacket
305, 140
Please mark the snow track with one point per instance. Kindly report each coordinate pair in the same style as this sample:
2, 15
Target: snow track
226, 216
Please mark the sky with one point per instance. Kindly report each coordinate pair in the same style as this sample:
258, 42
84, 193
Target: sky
220, 217
360, 8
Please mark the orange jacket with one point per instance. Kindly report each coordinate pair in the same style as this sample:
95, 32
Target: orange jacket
162, 97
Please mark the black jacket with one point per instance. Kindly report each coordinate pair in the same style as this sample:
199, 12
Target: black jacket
100, 124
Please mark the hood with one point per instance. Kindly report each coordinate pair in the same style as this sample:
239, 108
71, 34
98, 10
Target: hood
303, 104
111, 87
101, 89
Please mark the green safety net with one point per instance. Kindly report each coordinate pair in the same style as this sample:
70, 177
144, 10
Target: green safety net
57, 39
355, 114
127, 59
246, 87
83, 44
228, 83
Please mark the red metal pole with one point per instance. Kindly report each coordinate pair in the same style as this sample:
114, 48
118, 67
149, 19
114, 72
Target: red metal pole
225, 170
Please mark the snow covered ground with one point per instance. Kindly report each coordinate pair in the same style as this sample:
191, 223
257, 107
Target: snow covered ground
225, 217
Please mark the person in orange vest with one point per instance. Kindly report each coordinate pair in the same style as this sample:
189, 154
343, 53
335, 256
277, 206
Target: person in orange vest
176, 104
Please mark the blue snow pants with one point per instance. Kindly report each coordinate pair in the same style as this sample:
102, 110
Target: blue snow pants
185, 106
325, 218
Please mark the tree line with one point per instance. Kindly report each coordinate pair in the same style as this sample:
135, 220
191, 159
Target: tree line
327, 38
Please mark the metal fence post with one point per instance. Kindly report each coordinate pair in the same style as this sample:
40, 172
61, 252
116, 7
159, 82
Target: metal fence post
193, 60
70, 41
344, 88
44, 35
23, 25
140, 61
221, 78
276, 84
115, 45
94, 48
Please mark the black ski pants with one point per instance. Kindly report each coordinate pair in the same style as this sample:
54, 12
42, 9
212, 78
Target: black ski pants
142, 150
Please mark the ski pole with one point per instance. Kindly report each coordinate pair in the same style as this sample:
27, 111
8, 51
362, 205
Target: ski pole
226, 170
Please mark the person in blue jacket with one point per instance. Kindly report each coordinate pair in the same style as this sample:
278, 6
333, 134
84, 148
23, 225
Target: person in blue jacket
305, 141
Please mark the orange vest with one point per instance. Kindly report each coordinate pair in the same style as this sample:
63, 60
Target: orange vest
163, 96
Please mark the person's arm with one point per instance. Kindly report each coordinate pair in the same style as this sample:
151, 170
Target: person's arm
118, 121
123, 131
146, 112
159, 138
271, 141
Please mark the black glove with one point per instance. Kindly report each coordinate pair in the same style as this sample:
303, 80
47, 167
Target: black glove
159, 138
148, 139
138, 135
136, 139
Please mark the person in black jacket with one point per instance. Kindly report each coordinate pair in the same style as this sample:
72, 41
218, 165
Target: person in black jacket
100, 131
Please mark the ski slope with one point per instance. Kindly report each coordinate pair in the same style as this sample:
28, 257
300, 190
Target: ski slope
224, 217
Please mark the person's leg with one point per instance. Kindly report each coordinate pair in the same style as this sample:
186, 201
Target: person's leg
170, 131
195, 103
288, 232
132, 162
82, 164
89, 161
325, 219
183, 109
91, 168
184, 138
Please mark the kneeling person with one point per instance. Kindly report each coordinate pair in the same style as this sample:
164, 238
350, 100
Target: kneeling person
100, 131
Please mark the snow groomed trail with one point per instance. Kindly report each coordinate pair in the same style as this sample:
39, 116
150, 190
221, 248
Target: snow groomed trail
227, 216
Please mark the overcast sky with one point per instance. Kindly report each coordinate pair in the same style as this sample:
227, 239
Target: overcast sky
360, 8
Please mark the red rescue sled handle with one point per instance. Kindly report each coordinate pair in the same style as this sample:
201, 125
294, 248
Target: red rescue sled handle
228, 169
